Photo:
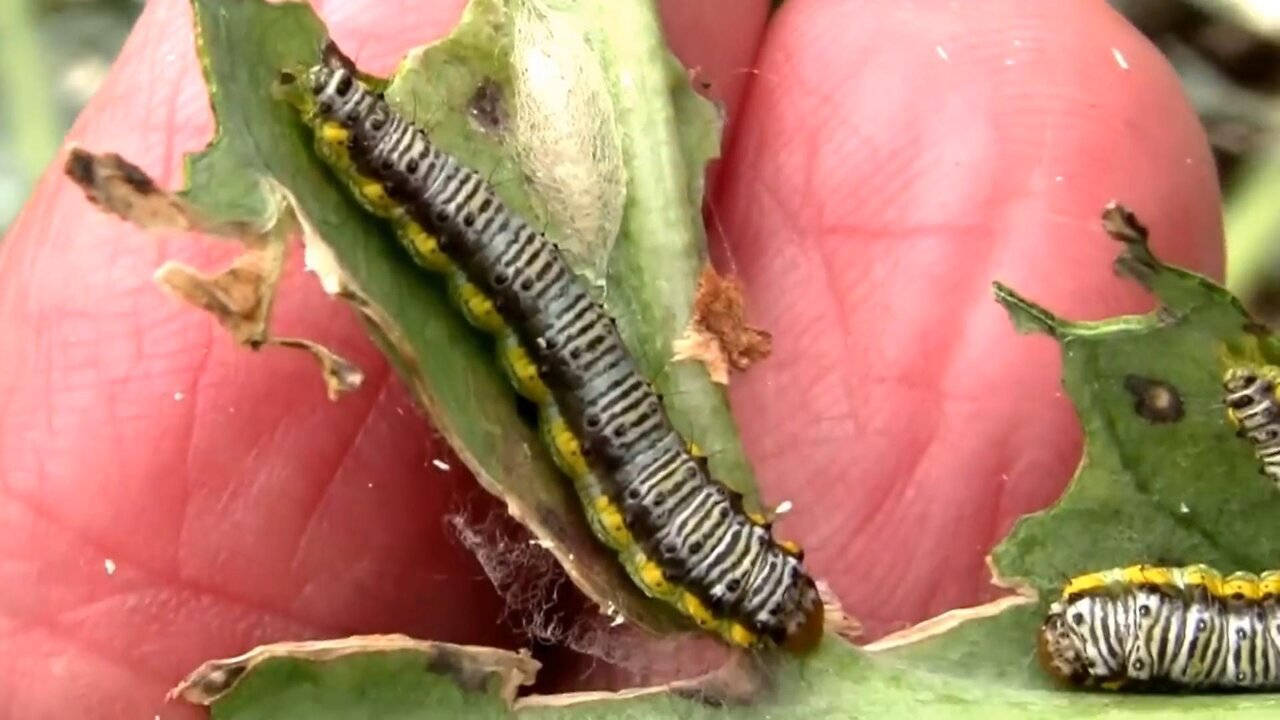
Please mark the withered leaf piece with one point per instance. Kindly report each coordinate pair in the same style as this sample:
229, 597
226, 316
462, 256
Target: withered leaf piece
717, 334
240, 296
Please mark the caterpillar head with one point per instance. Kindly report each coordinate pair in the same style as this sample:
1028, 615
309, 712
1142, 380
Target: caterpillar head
1060, 649
1070, 653
318, 87
805, 635
804, 624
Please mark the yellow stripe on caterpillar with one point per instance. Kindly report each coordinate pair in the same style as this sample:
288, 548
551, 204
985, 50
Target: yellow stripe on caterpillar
522, 371
424, 247
698, 611
477, 306
332, 133
376, 196
1269, 584
742, 635
653, 578
610, 517
1241, 586
563, 444
791, 547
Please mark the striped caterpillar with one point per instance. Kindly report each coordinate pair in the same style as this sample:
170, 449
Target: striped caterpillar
683, 537
1250, 394
1147, 627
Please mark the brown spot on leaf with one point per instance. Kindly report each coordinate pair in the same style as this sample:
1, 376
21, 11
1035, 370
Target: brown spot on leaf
717, 335
486, 106
1154, 400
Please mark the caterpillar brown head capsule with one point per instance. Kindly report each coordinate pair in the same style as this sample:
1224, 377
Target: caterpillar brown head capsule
1148, 627
1249, 392
680, 534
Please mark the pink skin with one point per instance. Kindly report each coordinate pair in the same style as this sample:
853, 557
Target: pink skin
870, 192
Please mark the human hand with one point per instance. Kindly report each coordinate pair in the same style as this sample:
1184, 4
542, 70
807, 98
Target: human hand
888, 162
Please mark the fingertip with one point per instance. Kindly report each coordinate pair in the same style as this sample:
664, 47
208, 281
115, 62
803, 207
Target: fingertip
934, 114
378, 34
892, 160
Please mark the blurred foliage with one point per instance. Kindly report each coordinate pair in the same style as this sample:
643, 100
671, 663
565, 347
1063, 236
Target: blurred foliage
53, 55
1226, 51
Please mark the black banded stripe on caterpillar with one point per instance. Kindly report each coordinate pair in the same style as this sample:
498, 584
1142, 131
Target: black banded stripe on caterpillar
1250, 394
1148, 627
683, 537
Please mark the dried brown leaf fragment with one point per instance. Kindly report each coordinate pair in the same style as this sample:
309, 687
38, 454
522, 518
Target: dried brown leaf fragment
717, 334
241, 295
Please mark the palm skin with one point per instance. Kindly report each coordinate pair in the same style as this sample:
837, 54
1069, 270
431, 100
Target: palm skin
884, 162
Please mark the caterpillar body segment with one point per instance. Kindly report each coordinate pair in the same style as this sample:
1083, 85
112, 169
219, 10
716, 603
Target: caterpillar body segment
1145, 627
1252, 396
682, 537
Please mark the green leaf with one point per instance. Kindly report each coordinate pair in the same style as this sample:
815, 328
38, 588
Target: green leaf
1164, 477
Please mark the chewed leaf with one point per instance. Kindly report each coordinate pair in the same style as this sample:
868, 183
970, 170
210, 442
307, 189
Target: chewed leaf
451, 367
1165, 479
124, 190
